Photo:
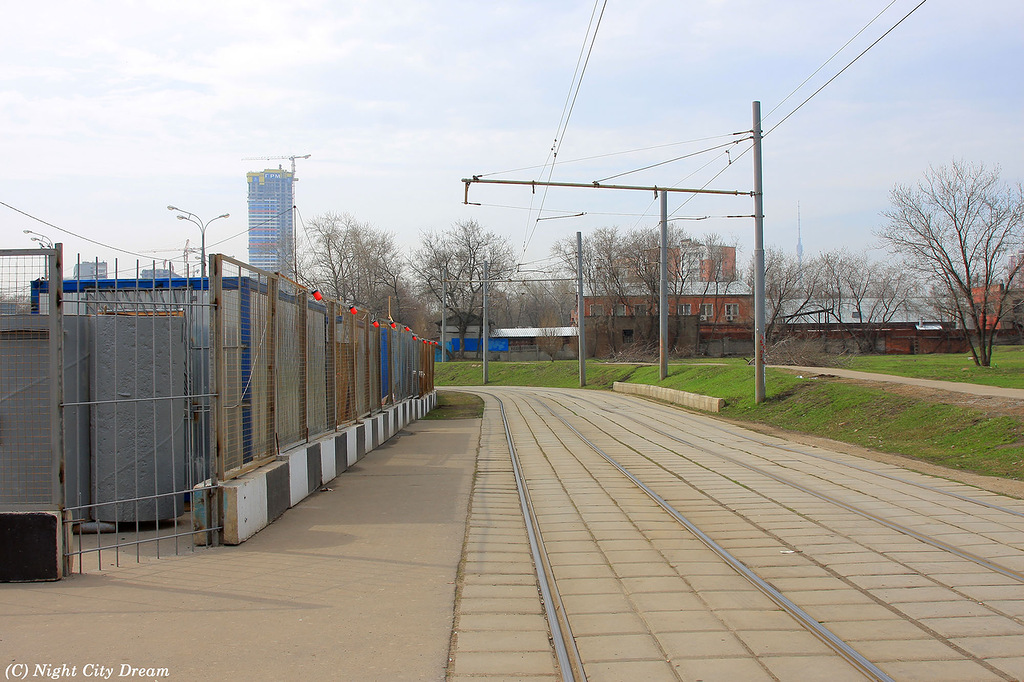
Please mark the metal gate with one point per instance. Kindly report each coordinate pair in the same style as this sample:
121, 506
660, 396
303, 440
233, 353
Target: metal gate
136, 413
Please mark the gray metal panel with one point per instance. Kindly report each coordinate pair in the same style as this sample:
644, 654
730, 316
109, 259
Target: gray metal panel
140, 437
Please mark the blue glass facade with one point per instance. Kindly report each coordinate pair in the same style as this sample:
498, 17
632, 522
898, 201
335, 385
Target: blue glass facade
271, 226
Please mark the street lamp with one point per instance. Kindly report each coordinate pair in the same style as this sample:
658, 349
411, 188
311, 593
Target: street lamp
44, 241
197, 221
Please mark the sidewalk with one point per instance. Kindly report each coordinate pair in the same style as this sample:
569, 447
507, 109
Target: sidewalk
355, 583
955, 386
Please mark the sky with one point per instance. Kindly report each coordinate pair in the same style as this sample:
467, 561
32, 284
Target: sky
111, 111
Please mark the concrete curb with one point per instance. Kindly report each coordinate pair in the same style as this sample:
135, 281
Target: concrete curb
255, 500
694, 400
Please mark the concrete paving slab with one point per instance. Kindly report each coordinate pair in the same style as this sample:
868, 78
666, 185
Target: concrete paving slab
356, 583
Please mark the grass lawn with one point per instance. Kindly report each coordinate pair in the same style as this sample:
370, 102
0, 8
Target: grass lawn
1007, 368
455, 405
948, 434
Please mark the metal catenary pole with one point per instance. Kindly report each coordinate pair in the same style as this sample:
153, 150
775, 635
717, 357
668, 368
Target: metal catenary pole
759, 311
759, 307
663, 289
444, 309
483, 341
581, 338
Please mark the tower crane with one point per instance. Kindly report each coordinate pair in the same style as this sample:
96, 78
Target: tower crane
276, 158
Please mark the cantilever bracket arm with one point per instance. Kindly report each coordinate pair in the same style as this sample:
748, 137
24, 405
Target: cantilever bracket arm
533, 184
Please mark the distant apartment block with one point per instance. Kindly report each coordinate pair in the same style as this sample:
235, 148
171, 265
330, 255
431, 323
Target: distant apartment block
91, 270
271, 226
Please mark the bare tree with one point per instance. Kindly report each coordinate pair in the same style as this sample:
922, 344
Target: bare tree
789, 289
460, 252
957, 227
354, 262
604, 275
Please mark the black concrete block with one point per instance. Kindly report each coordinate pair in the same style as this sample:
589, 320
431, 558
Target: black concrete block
279, 494
29, 547
314, 467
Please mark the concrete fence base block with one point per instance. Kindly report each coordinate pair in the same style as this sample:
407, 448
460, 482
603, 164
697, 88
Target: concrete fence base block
31, 547
692, 400
253, 501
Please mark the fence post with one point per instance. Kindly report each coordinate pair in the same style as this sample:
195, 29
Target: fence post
218, 382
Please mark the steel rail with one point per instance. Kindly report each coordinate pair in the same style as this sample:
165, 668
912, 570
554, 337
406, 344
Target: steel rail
897, 479
562, 639
841, 648
892, 525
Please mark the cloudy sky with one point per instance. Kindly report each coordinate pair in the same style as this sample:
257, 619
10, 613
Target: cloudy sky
110, 111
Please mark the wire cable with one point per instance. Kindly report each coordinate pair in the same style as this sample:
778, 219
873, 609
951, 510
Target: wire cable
259, 224
73, 234
563, 123
841, 71
829, 60
673, 160
618, 153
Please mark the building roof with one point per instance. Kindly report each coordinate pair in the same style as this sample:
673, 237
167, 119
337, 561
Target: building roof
531, 332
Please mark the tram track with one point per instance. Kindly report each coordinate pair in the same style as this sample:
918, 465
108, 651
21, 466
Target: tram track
806, 621
546, 418
831, 499
872, 472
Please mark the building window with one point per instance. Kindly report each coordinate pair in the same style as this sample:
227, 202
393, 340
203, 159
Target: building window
640, 310
597, 310
683, 309
732, 312
627, 336
620, 310
707, 311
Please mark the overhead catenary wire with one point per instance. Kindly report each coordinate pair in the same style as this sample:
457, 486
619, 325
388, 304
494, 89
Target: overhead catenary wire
728, 146
829, 60
567, 109
674, 159
571, 213
623, 152
848, 65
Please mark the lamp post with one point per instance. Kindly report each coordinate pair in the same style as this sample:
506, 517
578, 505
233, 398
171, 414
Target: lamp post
197, 221
44, 241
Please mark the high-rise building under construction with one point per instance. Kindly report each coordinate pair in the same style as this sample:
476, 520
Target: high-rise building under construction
271, 226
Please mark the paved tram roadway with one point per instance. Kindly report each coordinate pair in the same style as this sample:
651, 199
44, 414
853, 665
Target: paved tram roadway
672, 546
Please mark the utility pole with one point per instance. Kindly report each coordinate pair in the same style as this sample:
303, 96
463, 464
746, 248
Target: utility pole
759, 288
663, 290
444, 308
483, 341
759, 311
581, 337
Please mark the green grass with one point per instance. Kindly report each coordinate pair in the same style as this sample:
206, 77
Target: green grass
558, 374
946, 434
454, 405
1007, 370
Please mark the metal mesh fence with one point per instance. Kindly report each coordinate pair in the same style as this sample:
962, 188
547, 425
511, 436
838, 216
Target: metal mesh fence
244, 355
290, 308
30, 379
136, 413
289, 367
